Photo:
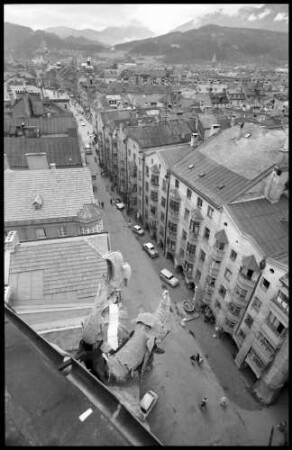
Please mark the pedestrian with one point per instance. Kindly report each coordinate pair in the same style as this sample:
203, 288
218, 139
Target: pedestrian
111, 201
223, 402
203, 403
102, 205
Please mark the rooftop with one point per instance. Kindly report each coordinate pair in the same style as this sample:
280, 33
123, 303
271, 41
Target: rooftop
266, 223
57, 278
63, 151
57, 189
87, 413
171, 154
248, 157
46, 125
215, 181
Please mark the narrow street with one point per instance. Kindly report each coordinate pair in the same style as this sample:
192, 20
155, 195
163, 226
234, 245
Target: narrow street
177, 419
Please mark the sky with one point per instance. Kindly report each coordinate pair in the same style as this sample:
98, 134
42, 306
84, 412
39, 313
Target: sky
159, 18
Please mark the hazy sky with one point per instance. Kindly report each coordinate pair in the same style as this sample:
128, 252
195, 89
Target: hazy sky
160, 18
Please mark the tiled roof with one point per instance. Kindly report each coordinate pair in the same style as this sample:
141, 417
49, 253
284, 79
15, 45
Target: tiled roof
171, 154
247, 157
64, 193
52, 125
63, 151
213, 180
173, 132
57, 272
262, 220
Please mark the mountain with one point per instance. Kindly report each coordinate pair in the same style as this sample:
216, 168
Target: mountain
26, 42
228, 44
273, 17
109, 36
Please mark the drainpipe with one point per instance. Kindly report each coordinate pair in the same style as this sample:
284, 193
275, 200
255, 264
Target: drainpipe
143, 184
166, 210
127, 179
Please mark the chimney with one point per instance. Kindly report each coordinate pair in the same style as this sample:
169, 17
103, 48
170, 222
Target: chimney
6, 163
11, 241
194, 139
276, 185
53, 166
37, 161
215, 128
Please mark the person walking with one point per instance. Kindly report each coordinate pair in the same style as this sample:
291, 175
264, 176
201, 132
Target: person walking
203, 403
102, 205
111, 201
223, 402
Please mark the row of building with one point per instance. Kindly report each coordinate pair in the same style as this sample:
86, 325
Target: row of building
218, 207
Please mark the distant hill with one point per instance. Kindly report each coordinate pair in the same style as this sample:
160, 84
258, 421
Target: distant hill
24, 41
228, 44
109, 36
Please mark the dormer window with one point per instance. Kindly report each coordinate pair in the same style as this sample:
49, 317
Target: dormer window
37, 203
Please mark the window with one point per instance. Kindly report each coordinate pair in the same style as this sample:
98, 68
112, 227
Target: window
217, 304
184, 235
206, 233
154, 196
146, 200
241, 335
147, 171
266, 343
163, 202
282, 301
247, 273
234, 309
146, 215
162, 217
256, 304
202, 255
189, 193
248, 320
140, 190
195, 227
172, 227
164, 185
227, 274
93, 177
212, 281
240, 292
40, 233
275, 324
186, 215
222, 291
176, 183
147, 186
210, 212
88, 230
174, 205
233, 255
198, 275
265, 284
182, 253
199, 202
191, 248
153, 210
62, 231
188, 267
220, 245
229, 324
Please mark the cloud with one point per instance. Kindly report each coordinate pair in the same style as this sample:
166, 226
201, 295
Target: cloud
252, 17
280, 17
264, 14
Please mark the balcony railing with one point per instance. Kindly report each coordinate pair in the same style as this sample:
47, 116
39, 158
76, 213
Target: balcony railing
190, 256
245, 282
218, 254
265, 354
172, 233
193, 237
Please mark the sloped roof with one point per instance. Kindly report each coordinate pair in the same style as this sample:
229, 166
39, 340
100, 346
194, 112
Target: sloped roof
250, 262
63, 151
173, 132
52, 125
262, 220
247, 157
221, 237
67, 270
56, 187
218, 184
171, 154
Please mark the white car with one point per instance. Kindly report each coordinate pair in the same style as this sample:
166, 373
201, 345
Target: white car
119, 204
82, 124
137, 229
150, 249
169, 278
148, 402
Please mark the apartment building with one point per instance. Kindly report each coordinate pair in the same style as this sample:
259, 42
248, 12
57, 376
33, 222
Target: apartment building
226, 230
45, 202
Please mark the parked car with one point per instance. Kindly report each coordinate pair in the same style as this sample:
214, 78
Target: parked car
88, 149
137, 229
150, 249
148, 402
82, 124
119, 204
168, 277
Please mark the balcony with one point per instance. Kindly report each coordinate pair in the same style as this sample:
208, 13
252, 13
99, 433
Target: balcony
238, 299
171, 233
265, 355
255, 363
154, 185
245, 282
153, 213
218, 254
190, 256
153, 199
193, 237
174, 214
275, 339
213, 271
